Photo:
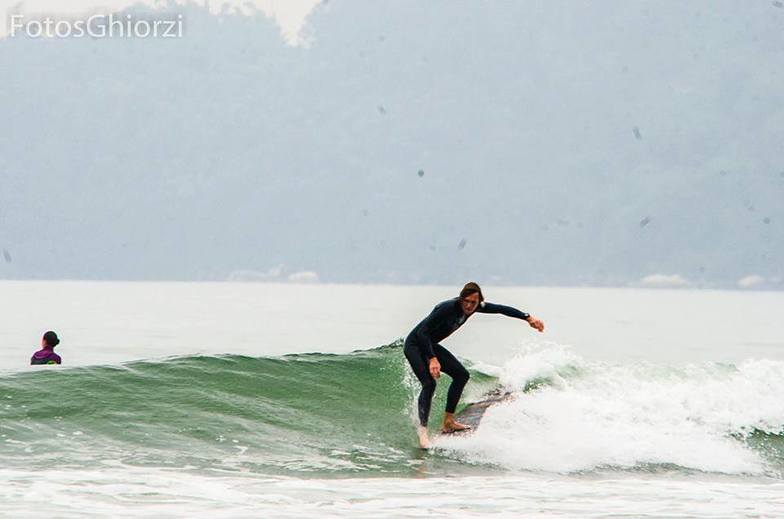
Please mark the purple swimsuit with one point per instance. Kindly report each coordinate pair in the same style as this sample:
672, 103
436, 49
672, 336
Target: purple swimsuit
45, 356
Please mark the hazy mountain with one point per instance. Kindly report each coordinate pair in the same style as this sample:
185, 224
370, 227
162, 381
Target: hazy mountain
555, 142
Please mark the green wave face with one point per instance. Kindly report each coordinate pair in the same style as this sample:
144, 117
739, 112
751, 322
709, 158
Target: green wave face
306, 414
322, 415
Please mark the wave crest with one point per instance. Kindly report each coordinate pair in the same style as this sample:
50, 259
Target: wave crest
570, 414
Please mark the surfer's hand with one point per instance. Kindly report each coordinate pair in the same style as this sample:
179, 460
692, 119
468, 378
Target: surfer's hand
535, 323
435, 368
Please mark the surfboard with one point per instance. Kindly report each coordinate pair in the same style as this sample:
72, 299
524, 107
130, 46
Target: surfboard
473, 413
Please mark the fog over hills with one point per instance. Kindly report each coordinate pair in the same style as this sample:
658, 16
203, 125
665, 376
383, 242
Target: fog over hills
560, 142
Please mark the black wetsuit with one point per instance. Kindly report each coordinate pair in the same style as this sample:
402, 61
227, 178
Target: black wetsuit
422, 345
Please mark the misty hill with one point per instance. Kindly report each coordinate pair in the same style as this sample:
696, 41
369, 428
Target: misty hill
508, 142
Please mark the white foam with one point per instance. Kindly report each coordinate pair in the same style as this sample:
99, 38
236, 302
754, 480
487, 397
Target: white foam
125, 491
592, 414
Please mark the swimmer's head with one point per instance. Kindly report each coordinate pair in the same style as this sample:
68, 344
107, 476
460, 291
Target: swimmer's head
50, 339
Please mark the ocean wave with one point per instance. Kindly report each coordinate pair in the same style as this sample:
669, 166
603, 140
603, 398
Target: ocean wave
310, 413
570, 415
329, 414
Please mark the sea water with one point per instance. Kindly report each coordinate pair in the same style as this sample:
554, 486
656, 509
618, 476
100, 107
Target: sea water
245, 399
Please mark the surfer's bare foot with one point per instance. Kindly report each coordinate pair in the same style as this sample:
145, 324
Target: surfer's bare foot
424, 440
451, 425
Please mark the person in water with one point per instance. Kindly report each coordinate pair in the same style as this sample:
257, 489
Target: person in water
46, 354
428, 358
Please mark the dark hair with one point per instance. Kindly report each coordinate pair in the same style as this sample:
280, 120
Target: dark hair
471, 288
51, 339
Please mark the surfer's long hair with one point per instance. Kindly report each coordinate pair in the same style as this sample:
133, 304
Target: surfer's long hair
471, 288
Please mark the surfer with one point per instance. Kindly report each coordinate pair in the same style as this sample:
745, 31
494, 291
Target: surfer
46, 354
428, 358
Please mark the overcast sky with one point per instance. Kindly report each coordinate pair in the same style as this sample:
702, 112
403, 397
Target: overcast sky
559, 142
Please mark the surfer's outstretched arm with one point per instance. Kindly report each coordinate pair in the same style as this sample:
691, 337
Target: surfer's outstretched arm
492, 308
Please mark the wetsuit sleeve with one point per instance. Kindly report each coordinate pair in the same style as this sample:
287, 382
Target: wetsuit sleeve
438, 315
490, 308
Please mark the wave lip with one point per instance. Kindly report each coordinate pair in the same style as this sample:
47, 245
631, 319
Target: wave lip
572, 415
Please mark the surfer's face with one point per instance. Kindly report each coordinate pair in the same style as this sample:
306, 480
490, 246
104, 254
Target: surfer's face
469, 303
